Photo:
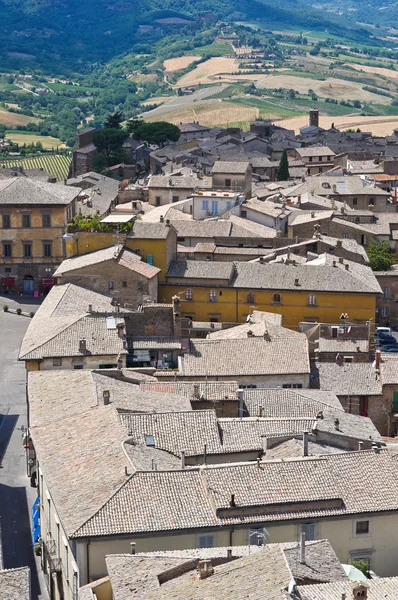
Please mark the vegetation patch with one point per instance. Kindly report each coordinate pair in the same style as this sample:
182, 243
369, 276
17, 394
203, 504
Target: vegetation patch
55, 164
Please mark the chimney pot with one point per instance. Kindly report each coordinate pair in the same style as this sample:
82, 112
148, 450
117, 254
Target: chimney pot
341, 260
161, 219
205, 568
377, 359
302, 548
196, 390
229, 553
312, 215
260, 411
106, 396
336, 424
167, 222
250, 333
132, 545
90, 308
305, 443
182, 459
360, 446
296, 282
347, 267
232, 502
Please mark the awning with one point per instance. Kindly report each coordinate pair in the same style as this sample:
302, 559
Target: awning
7, 281
48, 281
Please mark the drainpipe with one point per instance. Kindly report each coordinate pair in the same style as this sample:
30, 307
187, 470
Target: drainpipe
88, 560
237, 321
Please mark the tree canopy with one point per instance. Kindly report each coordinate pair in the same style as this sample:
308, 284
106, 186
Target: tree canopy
282, 173
114, 121
380, 256
109, 143
158, 132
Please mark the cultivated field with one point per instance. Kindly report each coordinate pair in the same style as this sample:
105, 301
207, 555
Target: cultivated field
11, 119
208, 71
176, 64
54, 164
211, 113
337, 89
22, 137
389, 73
377, 125
157, 100
178, 103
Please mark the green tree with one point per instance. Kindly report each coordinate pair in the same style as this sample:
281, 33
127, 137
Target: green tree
380, 256
158, 132
114, 121
282, 173
109, 143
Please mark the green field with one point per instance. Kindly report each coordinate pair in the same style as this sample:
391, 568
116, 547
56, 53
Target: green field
66, 87
54, 164
212, 50
29, 137
267, 108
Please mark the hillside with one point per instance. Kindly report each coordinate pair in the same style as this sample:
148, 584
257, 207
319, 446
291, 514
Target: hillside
75, 35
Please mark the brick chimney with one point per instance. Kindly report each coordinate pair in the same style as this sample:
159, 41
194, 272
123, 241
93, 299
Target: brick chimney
106, 395
377, 360
360, 590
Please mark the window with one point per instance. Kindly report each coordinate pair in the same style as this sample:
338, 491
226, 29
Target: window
47, 249
312, 300
243, 214
310, 159
27, 249
354, 201
206, 541
276, 299
150, 441
229, 205
295, 386
149, 259
205, 205
345, 236
214, 208
250, 298
362, 527
110, 285
158, 200
213, 296
26, 220
78, 366
7, 249
57, 362
140, 286
257, 536
75, 586
175, 198
46, 220
6, 221
386, 292
188, 295
309, 529
8, 269
385, 311
124, 284
227, 183
66, 556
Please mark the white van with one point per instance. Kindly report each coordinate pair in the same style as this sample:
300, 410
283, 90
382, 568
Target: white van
385, 330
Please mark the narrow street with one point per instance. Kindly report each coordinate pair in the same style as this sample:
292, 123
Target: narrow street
16, 495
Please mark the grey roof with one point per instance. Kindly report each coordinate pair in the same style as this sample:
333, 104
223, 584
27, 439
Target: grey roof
331, 485
205, 229
378, 589
65, 311
321, 563
175, 182
122, 256
322, 185
308, 216
260, 324
315, 151
221, 166
245, 228
15, 584
24, 191
140, 575
309, 277
197, 269
284, 403
347, 379
149, 231
266, 208
341, 345
191, 127
98, 194
212, 391
155, 342
56, 395
250, 356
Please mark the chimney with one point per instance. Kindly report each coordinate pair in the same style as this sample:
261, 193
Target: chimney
261, 260
312, 215
360, 446
320, 415
161, 219
260, 411
377, 360
229, 553
232, 502
167, 222
196, 390
334, 263
82, 346
337, 424
339, 244
341, 259
182, 459
302, 548
299, 200
267, 336
375, 448
296, 282
265, 444
132, 545
106, 395
205, 568
343, 596
90, 308
305, 443
347, 267
120, 329
250, 333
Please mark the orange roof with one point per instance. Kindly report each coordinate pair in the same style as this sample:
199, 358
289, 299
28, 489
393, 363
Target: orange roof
385, 177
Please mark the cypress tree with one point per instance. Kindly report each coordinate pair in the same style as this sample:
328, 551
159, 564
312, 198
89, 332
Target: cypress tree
282, 173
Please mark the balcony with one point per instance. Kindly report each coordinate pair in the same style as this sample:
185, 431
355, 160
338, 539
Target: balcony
50, 552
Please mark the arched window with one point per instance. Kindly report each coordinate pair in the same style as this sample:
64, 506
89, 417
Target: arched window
312, 300
276, 299
188, 294
250, 299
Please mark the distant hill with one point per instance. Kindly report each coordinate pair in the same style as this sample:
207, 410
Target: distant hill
77, 33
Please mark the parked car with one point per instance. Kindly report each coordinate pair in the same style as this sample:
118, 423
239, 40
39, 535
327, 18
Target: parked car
383, 330
390, 348
385, 339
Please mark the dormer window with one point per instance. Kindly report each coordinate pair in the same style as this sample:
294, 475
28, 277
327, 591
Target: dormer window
150, 441
326, 185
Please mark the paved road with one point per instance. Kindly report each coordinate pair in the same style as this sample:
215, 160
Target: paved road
16, 495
